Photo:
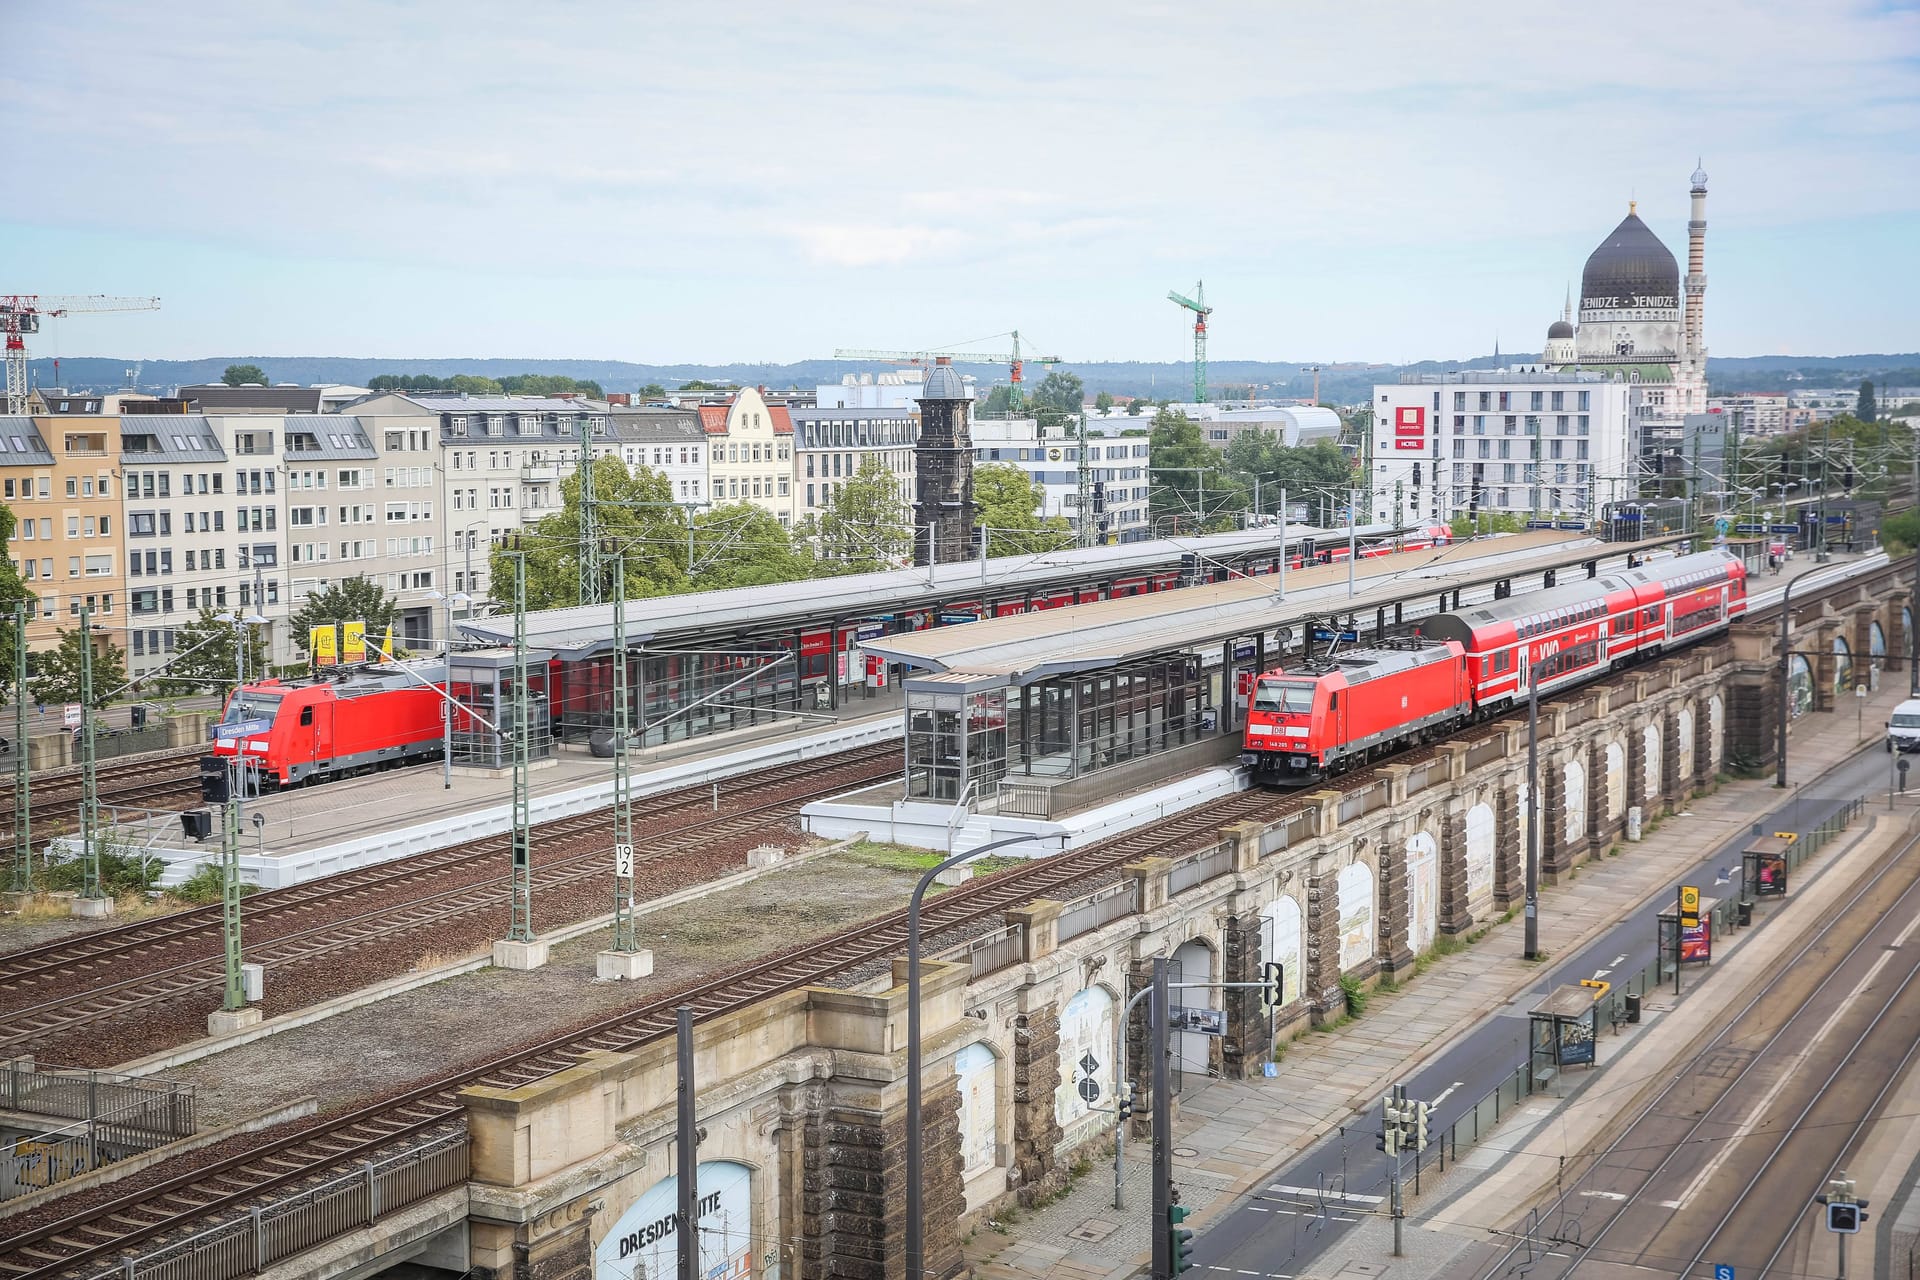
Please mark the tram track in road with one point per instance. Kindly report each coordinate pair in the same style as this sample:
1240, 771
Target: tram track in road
84, 982
1757, 1119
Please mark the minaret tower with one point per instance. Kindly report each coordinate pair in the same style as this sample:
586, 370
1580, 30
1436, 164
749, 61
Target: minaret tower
1691, 384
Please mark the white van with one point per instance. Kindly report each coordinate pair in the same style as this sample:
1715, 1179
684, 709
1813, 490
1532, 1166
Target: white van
1903, 731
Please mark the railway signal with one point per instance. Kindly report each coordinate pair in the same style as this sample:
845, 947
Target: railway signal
1179, 1239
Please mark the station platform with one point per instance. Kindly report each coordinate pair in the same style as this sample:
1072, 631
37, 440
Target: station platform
289, 837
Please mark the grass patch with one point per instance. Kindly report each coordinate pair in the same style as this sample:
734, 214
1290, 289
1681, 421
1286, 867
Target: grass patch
1356, 994
896, 857
207, 885
120, 873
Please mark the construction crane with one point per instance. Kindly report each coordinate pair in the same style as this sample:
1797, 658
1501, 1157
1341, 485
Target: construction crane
20, 315
1014, 360
1198, 305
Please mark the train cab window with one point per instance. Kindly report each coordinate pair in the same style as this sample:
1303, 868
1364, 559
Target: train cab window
306, 715
1284, 699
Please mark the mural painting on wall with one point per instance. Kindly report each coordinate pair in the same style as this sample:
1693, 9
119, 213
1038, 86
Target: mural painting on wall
1716, 729
1356, 915
1650, 757
1877, 655
1281, 940
1799, 686
642, 1244
1086, 1050
1616, 781
1576, 801
973, 1066
1684, 723
1480, 850
1423, 890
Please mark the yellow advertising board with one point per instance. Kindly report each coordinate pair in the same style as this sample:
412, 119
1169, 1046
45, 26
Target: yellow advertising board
353, 642
322, 643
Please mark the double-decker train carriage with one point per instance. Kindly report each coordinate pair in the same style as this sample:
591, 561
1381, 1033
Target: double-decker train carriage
1561, 636
369, 720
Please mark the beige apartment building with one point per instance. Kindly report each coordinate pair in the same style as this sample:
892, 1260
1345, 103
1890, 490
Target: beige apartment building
750, 452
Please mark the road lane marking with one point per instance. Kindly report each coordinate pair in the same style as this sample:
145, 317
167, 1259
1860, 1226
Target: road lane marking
1607, 1195
1793, 1066
1314, 1193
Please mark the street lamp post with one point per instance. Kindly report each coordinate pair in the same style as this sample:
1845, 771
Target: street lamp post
1786, 672
916, 1244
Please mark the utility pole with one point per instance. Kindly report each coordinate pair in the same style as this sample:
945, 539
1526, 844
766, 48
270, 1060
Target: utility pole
592, 574
1531, 949
521, 928
1397, 1117
235, 996
90, 883
22, 766
686, 1152
625, 939
1084, 523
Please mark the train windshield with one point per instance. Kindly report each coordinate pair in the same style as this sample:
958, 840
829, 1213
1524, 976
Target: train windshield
251, 705
1286, 699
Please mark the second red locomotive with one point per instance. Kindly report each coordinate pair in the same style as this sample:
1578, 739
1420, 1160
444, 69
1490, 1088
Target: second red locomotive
1327, 717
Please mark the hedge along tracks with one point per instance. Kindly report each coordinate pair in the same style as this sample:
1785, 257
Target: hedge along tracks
572, 882
27, 976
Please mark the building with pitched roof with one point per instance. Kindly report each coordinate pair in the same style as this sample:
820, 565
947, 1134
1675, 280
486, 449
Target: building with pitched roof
750, 454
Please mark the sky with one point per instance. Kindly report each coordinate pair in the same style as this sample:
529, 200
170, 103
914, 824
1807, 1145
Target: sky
675, 182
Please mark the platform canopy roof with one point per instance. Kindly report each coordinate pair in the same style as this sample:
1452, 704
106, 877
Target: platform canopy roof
1033, 646
583, 629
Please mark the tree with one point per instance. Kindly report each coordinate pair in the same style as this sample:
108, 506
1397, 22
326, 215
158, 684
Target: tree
472, 385
56, 675
1134, 406
1007, 505
12, 592
548, 384
652, 391
1062, 390
354, 599
741, 545
205, 653
1865, 409
637, 517
699, 385
866, 525
998, 404
1103, 403
1188, 481
239, 375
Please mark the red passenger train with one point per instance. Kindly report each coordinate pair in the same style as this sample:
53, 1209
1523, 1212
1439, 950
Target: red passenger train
1305, 724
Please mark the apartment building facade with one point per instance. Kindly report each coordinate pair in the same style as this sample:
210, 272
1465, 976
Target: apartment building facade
831, 445
750, 454
668, 441
1116, 466
1522, 442
59, 473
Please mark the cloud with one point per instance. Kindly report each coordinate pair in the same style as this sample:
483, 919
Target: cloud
877, 246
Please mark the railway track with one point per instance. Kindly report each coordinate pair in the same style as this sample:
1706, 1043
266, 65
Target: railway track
1762, 1080
571, 850
225, 1185
104, 1229
170, 781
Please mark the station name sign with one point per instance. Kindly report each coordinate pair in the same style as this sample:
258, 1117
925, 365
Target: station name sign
1631, 302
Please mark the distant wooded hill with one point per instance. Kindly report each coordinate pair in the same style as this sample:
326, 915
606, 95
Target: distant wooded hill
1228, 379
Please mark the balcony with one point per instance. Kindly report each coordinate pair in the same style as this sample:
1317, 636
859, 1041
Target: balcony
540, 472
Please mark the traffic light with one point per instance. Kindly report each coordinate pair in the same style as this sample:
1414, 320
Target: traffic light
1124, 1106
1390, 1120
1179, 1239
1099, 497
1420, 1110
1844, 1218
1275, 975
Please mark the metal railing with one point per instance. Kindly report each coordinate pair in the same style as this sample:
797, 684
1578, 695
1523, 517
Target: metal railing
1024, 799
306, 1219
1195, 869
991, 952
1102, 906
94, 1095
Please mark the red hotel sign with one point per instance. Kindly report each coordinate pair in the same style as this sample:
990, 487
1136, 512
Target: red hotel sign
1410, 427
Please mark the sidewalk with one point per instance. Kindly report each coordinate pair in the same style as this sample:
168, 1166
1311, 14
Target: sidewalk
1231, 1136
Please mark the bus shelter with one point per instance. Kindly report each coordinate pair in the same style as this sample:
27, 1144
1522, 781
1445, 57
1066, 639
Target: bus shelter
1563, 1030
1763, 865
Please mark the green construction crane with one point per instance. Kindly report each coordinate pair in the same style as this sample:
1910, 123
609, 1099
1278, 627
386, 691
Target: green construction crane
1198, 305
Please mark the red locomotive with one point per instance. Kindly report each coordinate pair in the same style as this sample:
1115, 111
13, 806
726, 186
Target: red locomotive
370, 720
1325, 718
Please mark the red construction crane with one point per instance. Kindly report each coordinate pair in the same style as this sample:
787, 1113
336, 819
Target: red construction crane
20, 315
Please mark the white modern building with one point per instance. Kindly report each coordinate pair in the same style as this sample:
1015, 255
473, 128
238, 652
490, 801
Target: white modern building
1753, 415
1519, 442
830, 446
901, 390
667, 441
1116, 472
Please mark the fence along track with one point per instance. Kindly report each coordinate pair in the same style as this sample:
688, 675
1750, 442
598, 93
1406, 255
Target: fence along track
24, 1026
51, 958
